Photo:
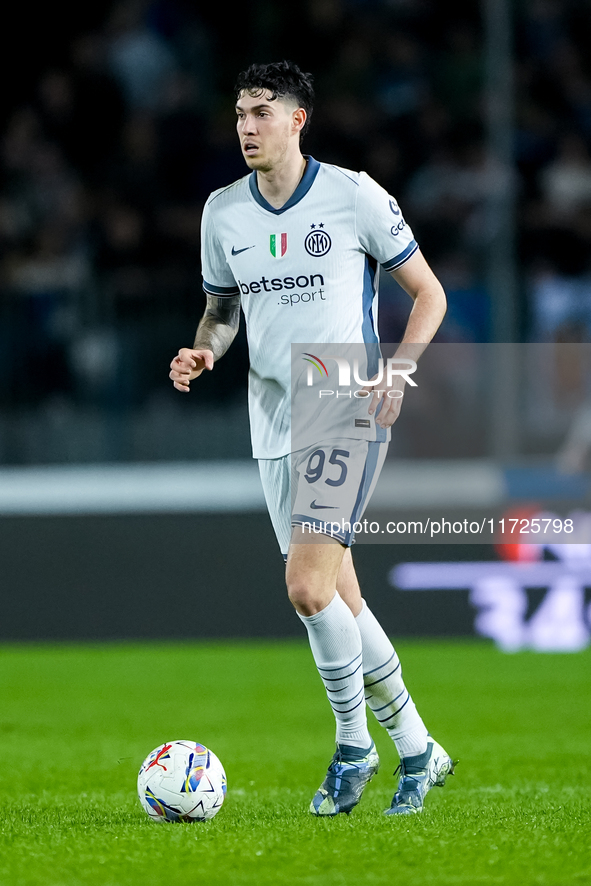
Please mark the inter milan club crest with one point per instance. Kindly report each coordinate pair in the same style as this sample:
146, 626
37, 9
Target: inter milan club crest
317, 241
278, 245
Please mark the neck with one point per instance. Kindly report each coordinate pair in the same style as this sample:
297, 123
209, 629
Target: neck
278, 184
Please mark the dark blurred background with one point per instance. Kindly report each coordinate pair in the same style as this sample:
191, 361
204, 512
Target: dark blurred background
117, 122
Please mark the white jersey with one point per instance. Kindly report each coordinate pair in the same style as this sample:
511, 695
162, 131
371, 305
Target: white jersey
307, 272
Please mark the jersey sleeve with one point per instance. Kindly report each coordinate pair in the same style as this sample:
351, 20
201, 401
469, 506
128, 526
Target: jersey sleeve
217, 276
381, 229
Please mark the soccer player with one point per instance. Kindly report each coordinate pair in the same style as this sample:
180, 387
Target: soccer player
297, 244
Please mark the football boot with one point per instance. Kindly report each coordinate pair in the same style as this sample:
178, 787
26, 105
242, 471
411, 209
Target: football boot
417, 776
350, 770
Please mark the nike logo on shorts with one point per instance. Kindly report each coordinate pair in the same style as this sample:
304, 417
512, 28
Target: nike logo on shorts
316, 507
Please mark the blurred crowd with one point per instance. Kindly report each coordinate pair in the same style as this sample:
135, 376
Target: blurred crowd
107, 162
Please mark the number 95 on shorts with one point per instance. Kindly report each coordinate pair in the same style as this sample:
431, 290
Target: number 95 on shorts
332, 484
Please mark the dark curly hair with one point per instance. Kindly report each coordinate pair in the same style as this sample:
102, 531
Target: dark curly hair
284, 80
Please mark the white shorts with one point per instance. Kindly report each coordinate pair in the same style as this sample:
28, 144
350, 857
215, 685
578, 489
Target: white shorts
326, 486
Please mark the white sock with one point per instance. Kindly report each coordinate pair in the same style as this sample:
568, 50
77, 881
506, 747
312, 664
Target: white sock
385, 692
336, 647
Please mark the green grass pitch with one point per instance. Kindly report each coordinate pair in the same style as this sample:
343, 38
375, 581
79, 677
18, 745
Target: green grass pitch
76, 722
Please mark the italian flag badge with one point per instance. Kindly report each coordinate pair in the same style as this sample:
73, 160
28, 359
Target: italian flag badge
278, 245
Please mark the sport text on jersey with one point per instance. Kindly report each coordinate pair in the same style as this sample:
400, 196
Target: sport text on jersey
311, 286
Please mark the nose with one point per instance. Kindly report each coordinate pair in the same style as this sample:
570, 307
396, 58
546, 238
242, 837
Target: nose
248, 124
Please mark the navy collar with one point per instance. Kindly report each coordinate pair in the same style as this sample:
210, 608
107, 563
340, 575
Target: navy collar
302, 189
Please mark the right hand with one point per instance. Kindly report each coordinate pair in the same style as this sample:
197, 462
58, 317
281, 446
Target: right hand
187, 365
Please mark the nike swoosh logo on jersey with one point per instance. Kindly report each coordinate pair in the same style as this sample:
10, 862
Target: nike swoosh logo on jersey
238, 251
316, 507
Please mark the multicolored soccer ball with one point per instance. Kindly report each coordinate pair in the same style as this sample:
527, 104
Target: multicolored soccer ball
181, 781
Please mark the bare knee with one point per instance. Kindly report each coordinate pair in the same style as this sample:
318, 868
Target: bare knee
311, 575
306, 598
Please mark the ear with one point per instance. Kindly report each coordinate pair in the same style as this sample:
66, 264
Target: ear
298, 120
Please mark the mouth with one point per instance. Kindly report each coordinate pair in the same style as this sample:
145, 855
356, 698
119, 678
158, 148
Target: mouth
249, 148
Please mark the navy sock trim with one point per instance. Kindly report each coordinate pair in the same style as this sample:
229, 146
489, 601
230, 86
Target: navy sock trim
348, 711
344, 676
343, 701
373, 670
395, 712
390, 703
381, 680
341, 667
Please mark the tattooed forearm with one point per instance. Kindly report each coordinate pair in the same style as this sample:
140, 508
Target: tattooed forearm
219, 325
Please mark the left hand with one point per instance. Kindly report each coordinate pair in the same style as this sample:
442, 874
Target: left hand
390, 396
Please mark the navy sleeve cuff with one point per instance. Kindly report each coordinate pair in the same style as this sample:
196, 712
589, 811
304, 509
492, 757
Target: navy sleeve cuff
401, 258
220, 291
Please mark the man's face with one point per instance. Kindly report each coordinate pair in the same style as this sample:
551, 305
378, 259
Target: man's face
265, 128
